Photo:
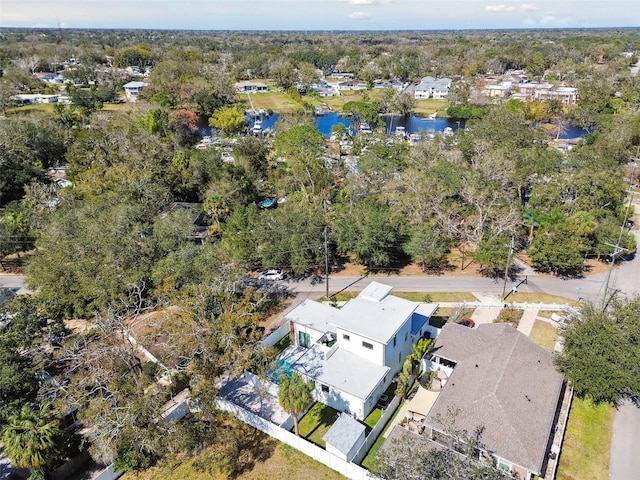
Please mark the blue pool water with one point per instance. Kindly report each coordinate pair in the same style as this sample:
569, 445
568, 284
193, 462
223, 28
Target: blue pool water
283, 368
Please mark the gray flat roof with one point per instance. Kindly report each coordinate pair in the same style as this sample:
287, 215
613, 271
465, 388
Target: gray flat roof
315, 315
377, 320
343, 371
344, 433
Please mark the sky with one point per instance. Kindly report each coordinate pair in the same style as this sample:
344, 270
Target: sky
319, 14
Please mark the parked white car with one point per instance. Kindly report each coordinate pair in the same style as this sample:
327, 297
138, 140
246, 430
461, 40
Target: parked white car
275, 274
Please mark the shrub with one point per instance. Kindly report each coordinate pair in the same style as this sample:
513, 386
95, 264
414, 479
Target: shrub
510, 315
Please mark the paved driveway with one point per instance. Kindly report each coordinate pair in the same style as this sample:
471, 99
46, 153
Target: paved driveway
625, 461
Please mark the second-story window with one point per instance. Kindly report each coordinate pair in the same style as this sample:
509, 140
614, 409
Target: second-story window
367, 345
345, 336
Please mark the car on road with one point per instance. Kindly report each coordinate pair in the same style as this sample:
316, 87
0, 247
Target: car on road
467, 322
273, 274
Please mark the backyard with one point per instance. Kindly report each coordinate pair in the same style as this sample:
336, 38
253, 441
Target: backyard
279, 461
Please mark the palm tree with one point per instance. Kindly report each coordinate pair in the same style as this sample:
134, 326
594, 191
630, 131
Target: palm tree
294, 395
30, 437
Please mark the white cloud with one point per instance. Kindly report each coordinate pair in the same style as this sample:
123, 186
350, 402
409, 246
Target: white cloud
525, 7
360, 15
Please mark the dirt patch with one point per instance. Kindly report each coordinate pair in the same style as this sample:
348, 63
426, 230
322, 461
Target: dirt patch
77, 326
461, 264
14, 262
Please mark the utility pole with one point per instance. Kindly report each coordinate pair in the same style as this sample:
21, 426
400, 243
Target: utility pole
326, 262
506, 268
617, 249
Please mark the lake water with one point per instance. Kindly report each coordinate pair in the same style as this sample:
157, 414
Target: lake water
411, 123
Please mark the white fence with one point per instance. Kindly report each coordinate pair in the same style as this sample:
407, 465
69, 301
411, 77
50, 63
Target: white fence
557, 307
348, 469
275, 336
377, 430
109, 473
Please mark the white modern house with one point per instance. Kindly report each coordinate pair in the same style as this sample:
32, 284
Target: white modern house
352, 354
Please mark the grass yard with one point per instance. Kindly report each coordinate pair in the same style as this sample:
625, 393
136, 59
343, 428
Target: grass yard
544, 334
429, 106
373, 418
280, 461
522, 297
278, 102
585, 452
317, 422
437, 296
369, 460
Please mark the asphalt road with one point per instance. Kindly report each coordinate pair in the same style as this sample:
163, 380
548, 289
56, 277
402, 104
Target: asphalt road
587, 288
625, 461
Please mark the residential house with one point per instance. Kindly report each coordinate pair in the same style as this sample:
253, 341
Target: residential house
502, 90
351, 354
504, 389
430, 87
352, 85
567, 95
32, 98
323, 89
133, 89
198, 218
342, 75
51, 77
250, 87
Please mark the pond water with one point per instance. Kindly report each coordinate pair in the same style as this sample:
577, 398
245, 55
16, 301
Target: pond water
411, 124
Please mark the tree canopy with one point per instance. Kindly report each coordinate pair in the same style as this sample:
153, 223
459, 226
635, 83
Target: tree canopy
601, 352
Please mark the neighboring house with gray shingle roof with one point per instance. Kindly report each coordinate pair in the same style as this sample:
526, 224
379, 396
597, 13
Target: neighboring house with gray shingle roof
352, 353
502, 385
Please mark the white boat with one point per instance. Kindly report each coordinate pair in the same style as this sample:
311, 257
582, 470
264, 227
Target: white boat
365, 127
257, 127
400, 131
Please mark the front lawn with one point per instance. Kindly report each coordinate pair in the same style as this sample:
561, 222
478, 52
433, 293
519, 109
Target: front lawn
527, 297
437, 296
587, 442
317, 422
544, 334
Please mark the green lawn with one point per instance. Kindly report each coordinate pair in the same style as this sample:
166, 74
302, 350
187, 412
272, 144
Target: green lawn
544, 334
317, 422
373, 418
278, 102
585, 451
369, 461
522, 297
437, 296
